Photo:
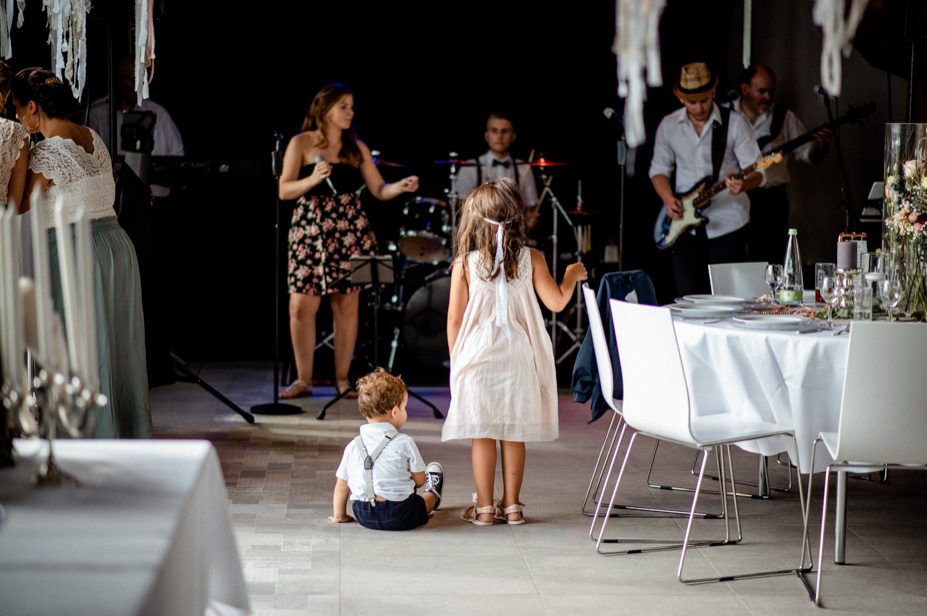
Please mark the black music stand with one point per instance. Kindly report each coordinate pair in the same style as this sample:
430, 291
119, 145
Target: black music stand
376, 271
276, 407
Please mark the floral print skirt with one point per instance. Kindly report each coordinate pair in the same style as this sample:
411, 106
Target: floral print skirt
325, 232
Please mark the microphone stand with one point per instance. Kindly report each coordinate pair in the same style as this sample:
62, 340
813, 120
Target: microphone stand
850, 222
276, 407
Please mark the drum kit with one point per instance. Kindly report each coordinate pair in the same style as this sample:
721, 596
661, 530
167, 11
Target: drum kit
423, 248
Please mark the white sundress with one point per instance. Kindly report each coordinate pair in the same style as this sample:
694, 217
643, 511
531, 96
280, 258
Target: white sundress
502, 387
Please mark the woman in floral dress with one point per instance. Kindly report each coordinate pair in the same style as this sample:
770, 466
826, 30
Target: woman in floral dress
322, 168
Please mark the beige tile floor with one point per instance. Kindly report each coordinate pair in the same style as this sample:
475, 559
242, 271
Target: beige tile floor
280, 473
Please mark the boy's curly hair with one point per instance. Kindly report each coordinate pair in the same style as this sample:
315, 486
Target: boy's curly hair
379, 392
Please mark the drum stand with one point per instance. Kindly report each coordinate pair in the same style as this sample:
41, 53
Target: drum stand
576, 335
371, 265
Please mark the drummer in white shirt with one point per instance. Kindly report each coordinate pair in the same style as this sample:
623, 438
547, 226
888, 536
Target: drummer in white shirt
497, 162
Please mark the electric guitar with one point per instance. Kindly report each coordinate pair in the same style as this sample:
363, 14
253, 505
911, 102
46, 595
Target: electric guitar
667, 230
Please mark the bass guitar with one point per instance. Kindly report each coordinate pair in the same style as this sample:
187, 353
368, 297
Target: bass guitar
667, 230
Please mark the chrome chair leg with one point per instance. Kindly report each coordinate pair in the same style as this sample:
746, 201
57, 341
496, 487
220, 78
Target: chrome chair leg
598, 471
730, 541
611, 505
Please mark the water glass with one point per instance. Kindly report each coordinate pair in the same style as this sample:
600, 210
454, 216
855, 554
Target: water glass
862, 303
773, 277
822, 270
830, 293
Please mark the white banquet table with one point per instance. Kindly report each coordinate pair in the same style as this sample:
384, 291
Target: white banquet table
146, 532
791, 379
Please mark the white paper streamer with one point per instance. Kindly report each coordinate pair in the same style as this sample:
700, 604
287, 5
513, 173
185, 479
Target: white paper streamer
67, 24
637, 49
502, 290
838, 36
144, 46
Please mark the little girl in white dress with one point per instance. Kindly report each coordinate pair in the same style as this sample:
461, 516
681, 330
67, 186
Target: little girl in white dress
503, 382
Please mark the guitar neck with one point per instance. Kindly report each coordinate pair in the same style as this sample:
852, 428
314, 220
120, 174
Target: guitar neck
855, 114
714, 190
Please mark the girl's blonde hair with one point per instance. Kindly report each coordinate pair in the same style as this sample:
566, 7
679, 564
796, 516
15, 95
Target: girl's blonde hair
499, 201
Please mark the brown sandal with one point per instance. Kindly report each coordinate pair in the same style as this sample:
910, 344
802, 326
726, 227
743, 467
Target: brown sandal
471, 515
502, 513
297, 389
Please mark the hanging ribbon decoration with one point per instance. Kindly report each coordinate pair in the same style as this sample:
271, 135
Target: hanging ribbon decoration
838, 26
637, 49
144, 47
502, 292
67, 24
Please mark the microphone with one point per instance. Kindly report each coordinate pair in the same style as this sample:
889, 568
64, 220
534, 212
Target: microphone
820, 91
277, 155
321, 159
613, 115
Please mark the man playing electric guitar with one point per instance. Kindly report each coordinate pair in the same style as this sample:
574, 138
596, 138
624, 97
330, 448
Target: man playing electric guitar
773, 126
699, 140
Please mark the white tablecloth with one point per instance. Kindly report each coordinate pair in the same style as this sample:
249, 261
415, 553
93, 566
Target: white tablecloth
791, 379
147, 531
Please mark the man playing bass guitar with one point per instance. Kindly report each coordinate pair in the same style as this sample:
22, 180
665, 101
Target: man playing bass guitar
696, 141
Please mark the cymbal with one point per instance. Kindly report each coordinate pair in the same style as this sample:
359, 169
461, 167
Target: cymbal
543, 162
582, 214
379, 162
455, 161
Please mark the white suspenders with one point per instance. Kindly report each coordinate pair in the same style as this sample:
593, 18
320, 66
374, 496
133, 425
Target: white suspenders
370, 458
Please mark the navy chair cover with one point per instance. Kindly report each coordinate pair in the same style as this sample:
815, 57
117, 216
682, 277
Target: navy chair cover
585, 384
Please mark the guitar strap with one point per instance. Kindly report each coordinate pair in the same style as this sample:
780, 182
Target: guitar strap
719, 142
778, 119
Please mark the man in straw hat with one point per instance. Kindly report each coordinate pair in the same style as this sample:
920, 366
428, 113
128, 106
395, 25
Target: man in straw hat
699, 140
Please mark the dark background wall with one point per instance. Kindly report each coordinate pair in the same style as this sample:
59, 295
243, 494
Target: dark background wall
425, 74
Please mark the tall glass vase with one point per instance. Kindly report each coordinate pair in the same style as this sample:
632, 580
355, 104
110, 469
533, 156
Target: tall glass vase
905, 221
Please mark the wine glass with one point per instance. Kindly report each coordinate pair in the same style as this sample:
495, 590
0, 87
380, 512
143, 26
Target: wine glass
891, 291
830, 293
773, 277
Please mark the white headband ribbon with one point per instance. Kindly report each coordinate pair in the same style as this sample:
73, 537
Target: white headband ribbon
502, 294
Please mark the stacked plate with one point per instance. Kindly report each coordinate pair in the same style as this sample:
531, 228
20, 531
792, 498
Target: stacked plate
708, 306
775, 322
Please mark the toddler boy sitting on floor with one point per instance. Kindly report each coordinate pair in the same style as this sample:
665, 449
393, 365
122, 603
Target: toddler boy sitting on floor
381, 469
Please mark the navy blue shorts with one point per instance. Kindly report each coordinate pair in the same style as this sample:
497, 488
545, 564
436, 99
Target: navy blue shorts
392, 515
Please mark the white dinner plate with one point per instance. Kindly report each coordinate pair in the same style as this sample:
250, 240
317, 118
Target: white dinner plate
770, 321
714, 299
691, 309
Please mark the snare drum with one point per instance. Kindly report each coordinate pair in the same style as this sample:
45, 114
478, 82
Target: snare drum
425, 234
424, 324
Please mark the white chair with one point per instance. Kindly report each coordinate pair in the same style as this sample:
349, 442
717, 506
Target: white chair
740, 279
656, 404
883, 419
615, 433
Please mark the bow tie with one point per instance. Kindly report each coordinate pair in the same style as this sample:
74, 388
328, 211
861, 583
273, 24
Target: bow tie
501, 163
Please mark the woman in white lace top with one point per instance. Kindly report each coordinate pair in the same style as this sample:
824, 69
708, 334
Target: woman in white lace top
73, 162
14, 148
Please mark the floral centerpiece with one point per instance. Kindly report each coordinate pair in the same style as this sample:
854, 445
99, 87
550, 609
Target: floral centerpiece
906, 211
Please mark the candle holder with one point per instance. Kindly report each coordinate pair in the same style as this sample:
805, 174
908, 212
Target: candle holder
55, 400
846, 279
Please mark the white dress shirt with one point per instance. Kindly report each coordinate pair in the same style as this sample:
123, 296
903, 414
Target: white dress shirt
467, 177
677, 146
392, 470
792, 127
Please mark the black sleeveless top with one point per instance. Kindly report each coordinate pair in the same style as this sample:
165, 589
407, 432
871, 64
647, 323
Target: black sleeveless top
344, 177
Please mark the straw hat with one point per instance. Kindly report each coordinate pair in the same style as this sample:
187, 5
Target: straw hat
695, 81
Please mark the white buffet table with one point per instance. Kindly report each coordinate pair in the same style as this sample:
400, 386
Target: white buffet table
147, 532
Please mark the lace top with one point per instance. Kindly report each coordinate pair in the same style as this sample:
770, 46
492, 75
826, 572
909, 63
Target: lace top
12, 135
80, 178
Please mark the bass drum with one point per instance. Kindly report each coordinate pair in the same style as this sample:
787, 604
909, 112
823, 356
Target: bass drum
424, 325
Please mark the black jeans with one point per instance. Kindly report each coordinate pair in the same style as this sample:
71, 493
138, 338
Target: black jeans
392, 515
693, 253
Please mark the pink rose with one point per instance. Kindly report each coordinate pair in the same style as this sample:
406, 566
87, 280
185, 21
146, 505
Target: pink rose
914, 168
